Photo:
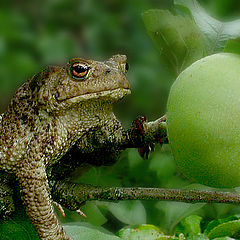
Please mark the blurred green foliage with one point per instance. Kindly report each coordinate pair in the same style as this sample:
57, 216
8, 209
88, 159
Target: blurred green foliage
36, 33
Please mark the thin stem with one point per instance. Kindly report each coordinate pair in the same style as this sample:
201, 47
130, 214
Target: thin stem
192, 196
73, 195
157, 130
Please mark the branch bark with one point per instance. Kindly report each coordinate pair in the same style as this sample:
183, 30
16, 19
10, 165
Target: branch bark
73, 196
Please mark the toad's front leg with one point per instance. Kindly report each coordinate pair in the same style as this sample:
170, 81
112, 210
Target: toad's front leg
35, 193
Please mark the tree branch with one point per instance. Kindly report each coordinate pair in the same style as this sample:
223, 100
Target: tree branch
73, 196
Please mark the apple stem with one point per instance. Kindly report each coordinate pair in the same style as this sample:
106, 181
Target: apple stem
157, 130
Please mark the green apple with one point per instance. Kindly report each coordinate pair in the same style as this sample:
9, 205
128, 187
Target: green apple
203, 113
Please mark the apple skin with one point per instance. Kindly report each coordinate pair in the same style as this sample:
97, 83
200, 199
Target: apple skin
203, 114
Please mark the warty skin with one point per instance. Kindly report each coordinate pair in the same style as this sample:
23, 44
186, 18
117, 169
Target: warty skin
49, 114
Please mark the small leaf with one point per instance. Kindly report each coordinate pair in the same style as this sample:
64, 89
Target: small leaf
144, 232
78, 232
217, 33
18, 230
190, 35
233, 46
174, 212
190, 225
199, 236
94, 215
224, 238
178, 38
18, 227
129, 212
226, 227
217, 222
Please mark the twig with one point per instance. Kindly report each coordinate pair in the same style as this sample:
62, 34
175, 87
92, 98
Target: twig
73, 195
157, 130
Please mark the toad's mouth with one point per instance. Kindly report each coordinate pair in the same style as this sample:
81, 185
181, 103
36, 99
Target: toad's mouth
113, 95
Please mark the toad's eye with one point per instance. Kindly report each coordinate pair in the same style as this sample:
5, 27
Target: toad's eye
79, 70
125, 67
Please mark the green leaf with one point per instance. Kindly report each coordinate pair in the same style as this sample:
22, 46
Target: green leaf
233, 46
217, 222
93, 213
226, 227
100, 176
18, 229
190, 34
164, 168
199, 236
129, 212
78, 232
174, 212
190, 225
144, 232
178, 38
224, 238
216, 33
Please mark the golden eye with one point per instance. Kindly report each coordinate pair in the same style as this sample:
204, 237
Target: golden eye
79, 70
